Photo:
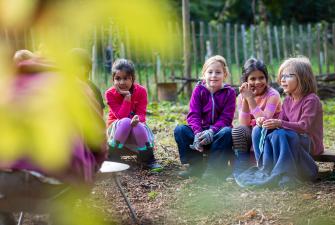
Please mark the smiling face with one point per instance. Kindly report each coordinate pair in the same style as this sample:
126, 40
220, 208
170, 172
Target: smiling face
214, 76
122, 80
258, 82
289, 81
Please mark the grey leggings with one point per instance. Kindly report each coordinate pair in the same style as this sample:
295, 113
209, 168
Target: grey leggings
242, 138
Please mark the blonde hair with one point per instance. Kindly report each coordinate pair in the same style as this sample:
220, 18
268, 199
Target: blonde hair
302, 68
213, 59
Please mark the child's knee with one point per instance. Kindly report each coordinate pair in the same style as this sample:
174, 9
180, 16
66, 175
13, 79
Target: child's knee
125, 121
241, 137
225, 133
180, 130
256, 132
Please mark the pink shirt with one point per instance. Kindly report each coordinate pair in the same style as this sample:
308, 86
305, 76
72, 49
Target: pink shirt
120, 108
305, 117
268, 106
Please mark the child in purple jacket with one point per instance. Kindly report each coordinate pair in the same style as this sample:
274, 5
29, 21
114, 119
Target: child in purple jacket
212, 108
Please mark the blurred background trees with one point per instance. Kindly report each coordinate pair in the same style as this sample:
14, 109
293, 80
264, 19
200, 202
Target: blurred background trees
270, 11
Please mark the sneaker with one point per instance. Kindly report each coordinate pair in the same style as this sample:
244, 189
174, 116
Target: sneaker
230, 178
154, 167
192, 171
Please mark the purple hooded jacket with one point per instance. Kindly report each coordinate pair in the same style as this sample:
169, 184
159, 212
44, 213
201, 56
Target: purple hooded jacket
211, 111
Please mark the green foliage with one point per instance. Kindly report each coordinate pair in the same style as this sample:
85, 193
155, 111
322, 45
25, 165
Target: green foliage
275, 11
152, 195
329, 123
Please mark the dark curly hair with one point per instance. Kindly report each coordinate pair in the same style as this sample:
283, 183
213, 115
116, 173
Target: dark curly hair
252, 65
124, 65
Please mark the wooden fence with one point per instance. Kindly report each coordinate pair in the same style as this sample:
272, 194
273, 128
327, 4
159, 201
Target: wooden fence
236, 42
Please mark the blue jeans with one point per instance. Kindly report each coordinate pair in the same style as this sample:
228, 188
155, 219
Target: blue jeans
285, 157
255, 137
220, 150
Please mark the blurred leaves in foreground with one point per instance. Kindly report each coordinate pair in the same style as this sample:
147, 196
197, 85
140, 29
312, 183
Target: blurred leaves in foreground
43, 125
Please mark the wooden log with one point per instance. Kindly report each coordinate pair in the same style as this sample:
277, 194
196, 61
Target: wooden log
326, 156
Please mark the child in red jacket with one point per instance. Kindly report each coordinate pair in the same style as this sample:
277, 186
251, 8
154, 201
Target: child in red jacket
127, 103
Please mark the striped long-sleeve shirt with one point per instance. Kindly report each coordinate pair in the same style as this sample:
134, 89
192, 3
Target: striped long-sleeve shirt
268, 106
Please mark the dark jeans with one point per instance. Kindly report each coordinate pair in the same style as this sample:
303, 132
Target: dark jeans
220, 150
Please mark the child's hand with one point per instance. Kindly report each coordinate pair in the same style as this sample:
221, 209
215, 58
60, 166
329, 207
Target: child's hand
272, 123
123, 93
134, 121
259, 121
196, 143
206, 137
246, 91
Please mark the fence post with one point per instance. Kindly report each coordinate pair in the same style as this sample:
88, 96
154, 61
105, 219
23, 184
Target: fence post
333, 39
219, 39
128, 47
284, 40
210, 38
244, 44
252, 40
195, 50
94, 56
325, 49
171, 53
301, 40
268, 31
228, 46
292, 39
277, 42
187, 46
318, 48
260, 51
237, 60
309, 40
202, 41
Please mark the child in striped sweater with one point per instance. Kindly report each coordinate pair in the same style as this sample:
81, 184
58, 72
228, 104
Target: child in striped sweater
256, 100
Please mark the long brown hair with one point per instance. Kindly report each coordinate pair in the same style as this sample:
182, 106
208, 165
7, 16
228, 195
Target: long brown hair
302, 68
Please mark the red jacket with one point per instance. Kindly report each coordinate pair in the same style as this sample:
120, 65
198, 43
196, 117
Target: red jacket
120, 108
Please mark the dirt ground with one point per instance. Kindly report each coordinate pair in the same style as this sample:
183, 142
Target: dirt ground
163, 198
